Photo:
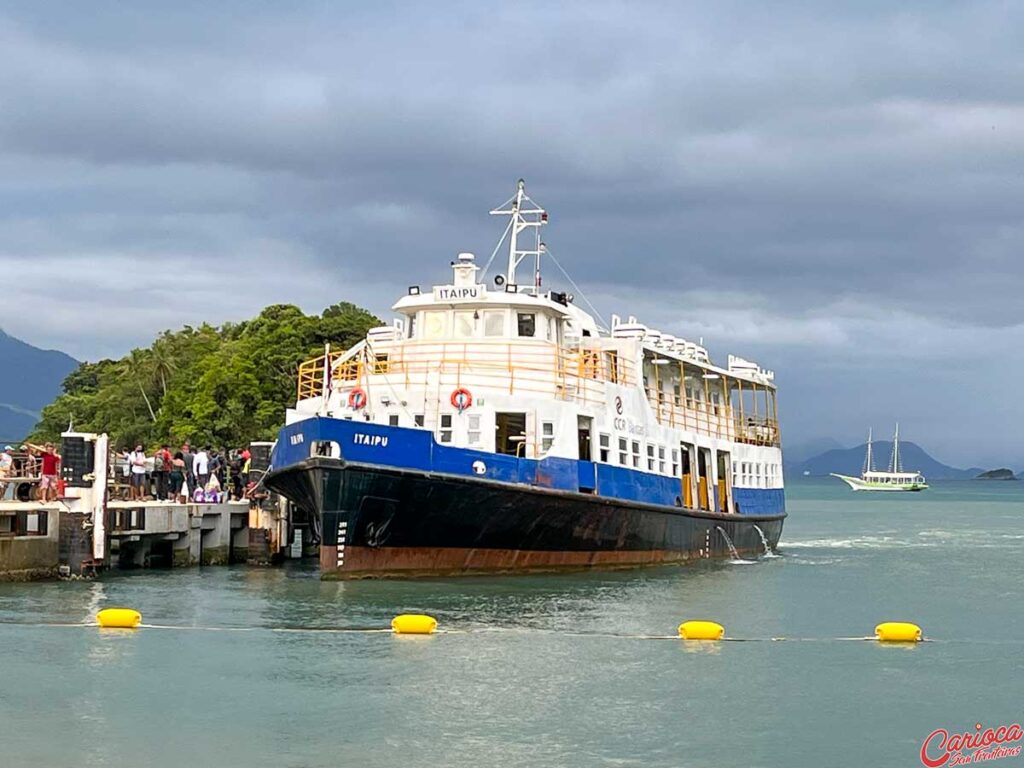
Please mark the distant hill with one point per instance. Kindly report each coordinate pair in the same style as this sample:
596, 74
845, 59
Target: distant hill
850, 461
997, 474
31, 378
796, 453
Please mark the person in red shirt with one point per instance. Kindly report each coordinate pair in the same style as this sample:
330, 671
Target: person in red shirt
50, 471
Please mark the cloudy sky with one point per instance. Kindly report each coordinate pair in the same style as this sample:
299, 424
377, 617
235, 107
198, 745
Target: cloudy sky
832, 189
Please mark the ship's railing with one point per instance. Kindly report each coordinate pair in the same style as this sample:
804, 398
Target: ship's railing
525, 367
711, 418
700, 416
756, 430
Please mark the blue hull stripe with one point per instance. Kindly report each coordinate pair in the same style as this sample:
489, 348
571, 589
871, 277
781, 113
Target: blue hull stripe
416, 449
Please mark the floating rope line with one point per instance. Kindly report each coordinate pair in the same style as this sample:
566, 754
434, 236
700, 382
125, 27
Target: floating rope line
483, 630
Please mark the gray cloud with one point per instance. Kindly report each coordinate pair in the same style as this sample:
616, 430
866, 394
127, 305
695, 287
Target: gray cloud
835, 190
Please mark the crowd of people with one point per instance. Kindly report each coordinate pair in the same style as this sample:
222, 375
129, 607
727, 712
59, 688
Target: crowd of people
201, 474
196, 475
33, 462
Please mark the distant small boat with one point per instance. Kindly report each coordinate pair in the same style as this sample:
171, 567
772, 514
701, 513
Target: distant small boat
894, 479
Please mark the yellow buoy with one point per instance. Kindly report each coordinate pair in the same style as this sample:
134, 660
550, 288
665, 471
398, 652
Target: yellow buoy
898, 632
701, 630
413, 624
119, 618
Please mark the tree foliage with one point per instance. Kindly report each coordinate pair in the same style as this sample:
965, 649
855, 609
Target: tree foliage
224, 386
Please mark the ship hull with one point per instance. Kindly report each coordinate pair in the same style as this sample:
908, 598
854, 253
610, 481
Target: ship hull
379, 521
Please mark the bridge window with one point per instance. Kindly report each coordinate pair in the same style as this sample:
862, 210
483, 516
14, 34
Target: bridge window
527, 324
464, 325
435, 324
494, 323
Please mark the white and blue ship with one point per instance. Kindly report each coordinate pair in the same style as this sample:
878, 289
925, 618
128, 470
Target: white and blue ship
497, 427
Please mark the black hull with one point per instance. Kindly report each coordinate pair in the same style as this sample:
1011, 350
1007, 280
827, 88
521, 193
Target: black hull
387, 522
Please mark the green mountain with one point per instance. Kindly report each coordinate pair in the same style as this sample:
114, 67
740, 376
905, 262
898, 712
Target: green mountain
32, 378
223, 385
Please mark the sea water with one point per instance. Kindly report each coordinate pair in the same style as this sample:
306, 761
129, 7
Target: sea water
545, 670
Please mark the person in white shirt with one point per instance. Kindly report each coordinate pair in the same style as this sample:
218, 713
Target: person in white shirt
137, 461
6, 468
201, 467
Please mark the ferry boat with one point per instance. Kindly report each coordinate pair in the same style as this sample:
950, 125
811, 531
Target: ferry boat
894, 479
500, 428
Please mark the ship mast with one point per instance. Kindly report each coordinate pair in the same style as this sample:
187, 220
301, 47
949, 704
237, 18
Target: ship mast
869, 460
525, 214
895, 460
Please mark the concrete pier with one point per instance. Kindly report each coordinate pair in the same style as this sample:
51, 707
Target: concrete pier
84, 532
29, 540
162, 534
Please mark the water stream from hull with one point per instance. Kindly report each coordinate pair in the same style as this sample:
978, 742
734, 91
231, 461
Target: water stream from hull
736, 559
764, 540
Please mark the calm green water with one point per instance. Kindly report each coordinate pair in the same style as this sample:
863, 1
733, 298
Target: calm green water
526, 692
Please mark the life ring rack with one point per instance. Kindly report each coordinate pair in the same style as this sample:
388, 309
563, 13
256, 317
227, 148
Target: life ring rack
462, 399
357, 398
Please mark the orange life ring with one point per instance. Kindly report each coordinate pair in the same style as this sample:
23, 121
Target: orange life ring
357, 398
462, 398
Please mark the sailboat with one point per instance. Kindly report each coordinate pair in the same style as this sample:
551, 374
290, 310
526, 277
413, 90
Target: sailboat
893, 479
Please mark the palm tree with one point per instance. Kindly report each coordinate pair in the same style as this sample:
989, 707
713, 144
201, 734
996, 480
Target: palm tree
163, 364
136, 366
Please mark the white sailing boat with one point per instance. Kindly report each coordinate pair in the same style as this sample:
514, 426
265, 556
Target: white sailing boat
893, 479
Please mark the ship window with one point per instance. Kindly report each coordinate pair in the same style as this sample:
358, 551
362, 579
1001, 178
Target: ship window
417, 420
661, 459
527, 324
613, 366
623, 455
412, 326
650, 458
604, 447
327, 448
494, 323
446, 427
547, 435
675, 462
435, 324
636, 454
380, 362
393, 420
473, 433
464, 325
